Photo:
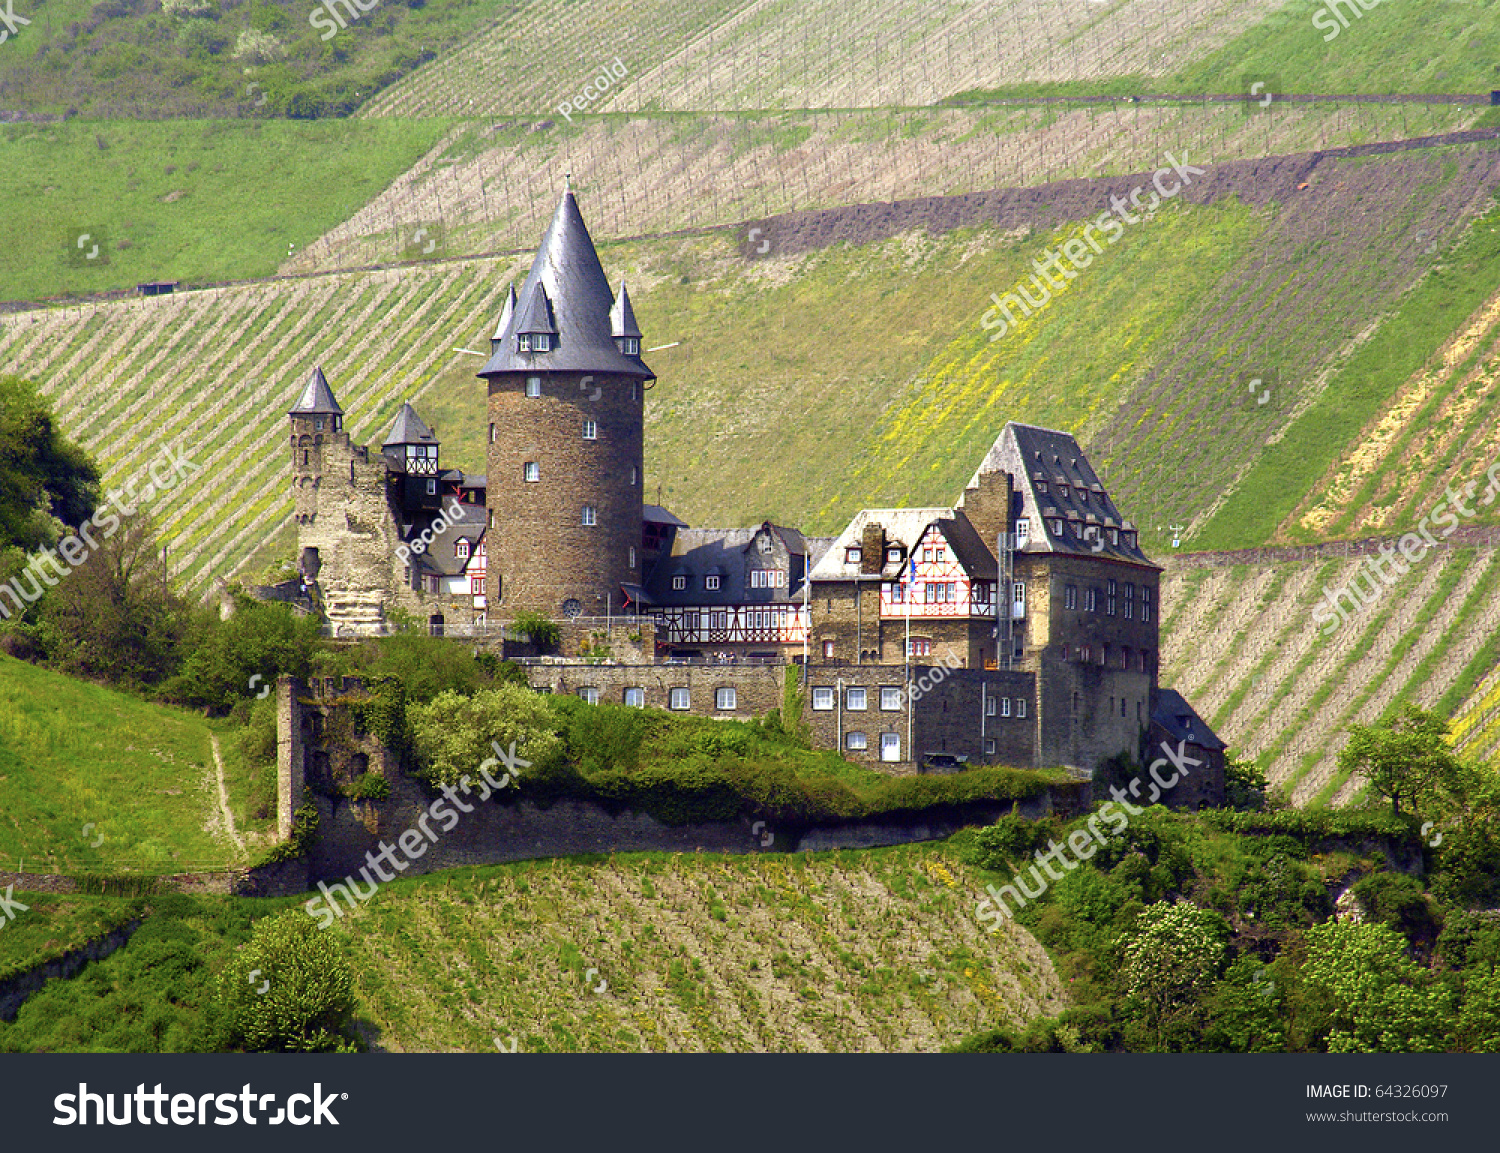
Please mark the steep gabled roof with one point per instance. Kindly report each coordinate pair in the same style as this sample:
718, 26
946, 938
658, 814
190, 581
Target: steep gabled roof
905, 526
1172, 713
622, 316
1051, 476
317, 398
409, 429
567, 274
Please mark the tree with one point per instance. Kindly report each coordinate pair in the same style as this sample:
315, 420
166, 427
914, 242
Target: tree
116, 617
538, 629
1172, 955
454, 734
289, 990
233, 660
1409, 759
1374, 998
44, 478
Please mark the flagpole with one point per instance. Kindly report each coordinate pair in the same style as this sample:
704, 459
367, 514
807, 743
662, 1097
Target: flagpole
910, 708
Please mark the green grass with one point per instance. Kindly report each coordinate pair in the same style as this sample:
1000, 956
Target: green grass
53, 925
195, 200
79, 762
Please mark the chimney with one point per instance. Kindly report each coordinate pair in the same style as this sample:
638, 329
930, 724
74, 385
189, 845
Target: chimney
872, 548
987, 505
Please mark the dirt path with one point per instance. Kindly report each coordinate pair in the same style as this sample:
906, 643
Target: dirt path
213, 740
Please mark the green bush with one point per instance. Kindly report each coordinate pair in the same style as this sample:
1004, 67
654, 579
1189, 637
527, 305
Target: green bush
290, 990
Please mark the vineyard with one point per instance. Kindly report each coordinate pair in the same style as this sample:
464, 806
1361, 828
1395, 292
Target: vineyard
1234, 267
485, 189
866, 952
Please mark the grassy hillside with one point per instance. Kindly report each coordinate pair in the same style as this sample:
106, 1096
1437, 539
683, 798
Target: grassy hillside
81, 764
870, 951
184, 200
845, 376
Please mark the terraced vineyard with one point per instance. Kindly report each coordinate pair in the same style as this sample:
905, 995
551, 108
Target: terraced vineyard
730, 54
1240, 641
485, 188
872, 951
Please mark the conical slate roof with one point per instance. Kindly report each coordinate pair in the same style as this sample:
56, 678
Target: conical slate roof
567, 274
622, 316
409, 429
536, 312
317, 398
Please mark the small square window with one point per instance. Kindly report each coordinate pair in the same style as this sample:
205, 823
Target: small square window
890, 699
853, 555
711, 582
926, 556
856, 741
893, 556
533, 386
679, 699
590, 430
724, 699
989, 746
765, 544
590, 514
856, 699
532, 471
679, 583
635, 698
822, 699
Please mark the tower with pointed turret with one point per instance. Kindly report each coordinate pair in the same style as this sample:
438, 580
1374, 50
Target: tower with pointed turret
566, 406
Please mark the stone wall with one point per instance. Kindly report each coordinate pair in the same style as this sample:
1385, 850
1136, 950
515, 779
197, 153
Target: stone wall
757, 688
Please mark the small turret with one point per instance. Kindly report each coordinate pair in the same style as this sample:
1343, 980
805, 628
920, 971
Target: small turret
622, 325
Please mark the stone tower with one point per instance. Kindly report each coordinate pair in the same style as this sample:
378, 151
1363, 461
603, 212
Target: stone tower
567, 391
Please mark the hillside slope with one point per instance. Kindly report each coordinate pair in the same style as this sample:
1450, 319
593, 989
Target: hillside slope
859, 952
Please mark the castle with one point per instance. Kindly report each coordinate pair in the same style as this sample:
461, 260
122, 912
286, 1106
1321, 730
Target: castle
1018, 626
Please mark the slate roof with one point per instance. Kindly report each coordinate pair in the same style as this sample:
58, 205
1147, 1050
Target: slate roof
1172, 713
567, 284
700, 552
622, 316
409, 429
439, 557
905, 526
658, 515
1042, 456
317, 398
507, 314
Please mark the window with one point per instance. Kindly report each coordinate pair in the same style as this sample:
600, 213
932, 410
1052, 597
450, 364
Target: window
1023, 531
898, 593
856, 699
1143, 660
1062, 490
1114, 536
890, 746
990, 706
711, 582
856, 741
432, 488
531, 471
318, 424
589, 695
590, 514
679, 699
1070, 597
1018, 593
920, 647
822, 699
719, 620
536, 342
476, 586
635, 698
828, 650
724, 699
942, 592
533, 386
890, 699
1055, 525
1041, 487
631, 346
632, 476
940, 554
1005, 706
765, 578
893, 556
590, 430
765, 544
1020, 706
461, 548
1129, 604
926, 556
981, 592
492, 432
1083, 496
1145, 603
853, 555
1125, 657
1091, 599
989, 746
679, 583
1109, 607
632, 558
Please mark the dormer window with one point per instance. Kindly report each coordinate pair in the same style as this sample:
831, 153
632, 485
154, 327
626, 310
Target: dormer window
461, 549
679, 583
630, 345
1055, 524
536, 342
853, 555
712, 582
893, 556
1062, 490
1041, 486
